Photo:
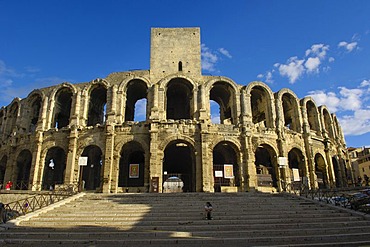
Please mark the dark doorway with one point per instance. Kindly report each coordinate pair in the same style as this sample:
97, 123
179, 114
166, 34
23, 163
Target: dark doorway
179, 161
24, 162
337, 174
320, 171
91, 173
54, 168
224, 157
266, 169
179, 99
131, 165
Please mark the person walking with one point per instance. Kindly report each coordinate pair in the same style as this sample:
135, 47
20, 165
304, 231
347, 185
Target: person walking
208, 210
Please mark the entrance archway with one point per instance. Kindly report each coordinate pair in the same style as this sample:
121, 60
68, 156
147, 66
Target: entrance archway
225, 166
266, 166
296, 165
91, 173
131, 165
179, 162
54, 168
320, 171
3, 162
24, 162
338, 181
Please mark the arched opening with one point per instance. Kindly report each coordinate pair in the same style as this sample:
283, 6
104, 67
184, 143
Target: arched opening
34, 113
97, 106
3, 162
131, 165
328, 124
290, 110
297, 167
11, 119
1, 122
24, 162
90, 174
320, 171
180, 66
215, 112
136, 101
54, 168
222, 93
337, 173
62, 108
179, 162
266, 166
226, 170
260, 104
179, 99
313, 116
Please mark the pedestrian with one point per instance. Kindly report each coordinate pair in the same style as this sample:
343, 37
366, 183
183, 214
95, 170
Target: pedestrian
8, 185
208, 210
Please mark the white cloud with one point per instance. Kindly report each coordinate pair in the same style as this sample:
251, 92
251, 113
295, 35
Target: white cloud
331, 59
350, 98
210, 57
348, 46
365, 83
356, 124
260, 76
318, 50
312, 64
225, 52
293, 69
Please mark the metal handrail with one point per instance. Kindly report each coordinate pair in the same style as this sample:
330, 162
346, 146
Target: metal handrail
33, 203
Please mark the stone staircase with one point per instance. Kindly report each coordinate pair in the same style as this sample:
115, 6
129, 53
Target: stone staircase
239, 219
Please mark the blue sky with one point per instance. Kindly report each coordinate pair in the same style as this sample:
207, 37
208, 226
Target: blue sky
316, 48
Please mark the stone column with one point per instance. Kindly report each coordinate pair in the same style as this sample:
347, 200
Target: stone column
72, 169
206, 160
37, 163
108, 173
155, 169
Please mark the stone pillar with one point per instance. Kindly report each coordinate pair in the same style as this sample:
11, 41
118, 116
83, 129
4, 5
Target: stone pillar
202, 107
206, 161
156, 158
108, 173
72, 169
37, 164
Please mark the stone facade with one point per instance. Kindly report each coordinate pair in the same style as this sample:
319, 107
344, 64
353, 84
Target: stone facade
263, 139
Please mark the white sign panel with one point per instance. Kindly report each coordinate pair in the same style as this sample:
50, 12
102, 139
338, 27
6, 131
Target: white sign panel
283, 161
82, 161
296, 175
219, 174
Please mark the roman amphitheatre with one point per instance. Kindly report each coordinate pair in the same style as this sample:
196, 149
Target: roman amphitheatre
85, 134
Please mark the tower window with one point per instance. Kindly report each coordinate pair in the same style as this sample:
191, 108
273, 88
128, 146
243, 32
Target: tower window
180, 66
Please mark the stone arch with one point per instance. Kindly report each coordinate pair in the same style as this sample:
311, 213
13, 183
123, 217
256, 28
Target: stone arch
337, 171
23, 169
312, 114
91, 174
327, 122
337, 129
34, 111
290, 112
3, 163
261, 107
321, 171
179, 98
267, 169
179, 162
162, 145
54, 167
62, 106
296, 160
224, 92
2, 121
136, 96
97, 106
132, 165
226, 159
11, 118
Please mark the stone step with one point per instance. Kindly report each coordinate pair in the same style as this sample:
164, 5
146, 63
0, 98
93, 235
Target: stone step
183, 239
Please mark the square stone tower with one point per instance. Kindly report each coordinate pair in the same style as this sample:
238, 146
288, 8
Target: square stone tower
175, 50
